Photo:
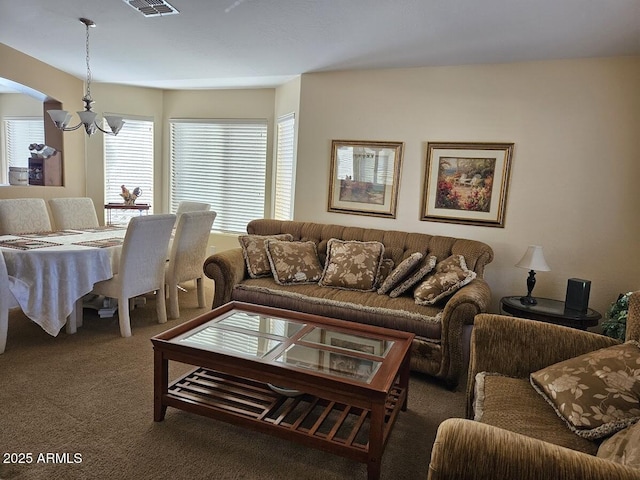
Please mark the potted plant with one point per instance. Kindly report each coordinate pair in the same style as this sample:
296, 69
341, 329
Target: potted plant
615, 323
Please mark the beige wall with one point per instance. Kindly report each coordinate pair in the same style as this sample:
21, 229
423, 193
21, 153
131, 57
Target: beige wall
573, 187
25, 70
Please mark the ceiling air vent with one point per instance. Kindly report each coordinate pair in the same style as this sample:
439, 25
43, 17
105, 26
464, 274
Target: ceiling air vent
152, 8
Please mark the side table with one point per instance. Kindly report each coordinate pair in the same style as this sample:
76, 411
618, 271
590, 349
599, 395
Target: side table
550, 311
140, 207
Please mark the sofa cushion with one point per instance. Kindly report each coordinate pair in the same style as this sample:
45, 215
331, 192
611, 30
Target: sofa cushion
597, 393
449, 276
254, 250
623, 447
352, 265
386, 267
426, 266
401, 272
293, 262
512, 404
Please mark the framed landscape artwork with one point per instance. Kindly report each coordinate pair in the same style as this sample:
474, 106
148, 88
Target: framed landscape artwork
466, 183
364, 177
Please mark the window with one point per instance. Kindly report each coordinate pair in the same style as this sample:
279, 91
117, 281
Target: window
19, 133
128, 160
223, 163
284, 174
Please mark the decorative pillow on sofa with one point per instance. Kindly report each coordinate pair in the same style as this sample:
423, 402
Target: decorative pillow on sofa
352, 265
386, 266
597, 393
623, 447
425, 267
254, 249
401, 272
450, 275
294, 262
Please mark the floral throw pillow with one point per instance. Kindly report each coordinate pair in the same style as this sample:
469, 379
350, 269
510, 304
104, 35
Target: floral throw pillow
254, 249
352, 265
623, 447
399, 273
597, 393
450, 275
293, 262
424, 268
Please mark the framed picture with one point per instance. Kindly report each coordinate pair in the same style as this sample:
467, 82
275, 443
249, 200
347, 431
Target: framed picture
349, 365
364, 177
466, 183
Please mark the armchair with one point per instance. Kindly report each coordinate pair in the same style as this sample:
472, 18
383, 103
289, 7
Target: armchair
518, 435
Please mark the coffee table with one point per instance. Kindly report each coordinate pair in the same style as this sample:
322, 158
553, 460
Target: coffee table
329, 384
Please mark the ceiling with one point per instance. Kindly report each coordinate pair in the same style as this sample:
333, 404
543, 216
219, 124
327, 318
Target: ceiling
264, 43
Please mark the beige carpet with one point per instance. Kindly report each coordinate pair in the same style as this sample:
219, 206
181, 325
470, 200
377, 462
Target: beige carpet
88, 397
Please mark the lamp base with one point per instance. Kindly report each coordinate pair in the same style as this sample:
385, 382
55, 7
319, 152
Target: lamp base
528, 300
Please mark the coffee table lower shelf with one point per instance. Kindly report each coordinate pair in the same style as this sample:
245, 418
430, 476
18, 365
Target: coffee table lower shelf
335, 427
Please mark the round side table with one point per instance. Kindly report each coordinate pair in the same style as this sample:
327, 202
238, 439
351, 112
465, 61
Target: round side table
550, 311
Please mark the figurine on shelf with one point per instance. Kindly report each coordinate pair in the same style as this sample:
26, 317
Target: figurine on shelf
130, 197
41, 150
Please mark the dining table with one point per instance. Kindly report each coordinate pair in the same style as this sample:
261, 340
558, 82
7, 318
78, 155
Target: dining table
51, 272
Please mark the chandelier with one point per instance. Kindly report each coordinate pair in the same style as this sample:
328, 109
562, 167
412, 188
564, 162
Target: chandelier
61, 118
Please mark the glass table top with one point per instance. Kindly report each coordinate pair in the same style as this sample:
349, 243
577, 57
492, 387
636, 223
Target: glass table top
290, 343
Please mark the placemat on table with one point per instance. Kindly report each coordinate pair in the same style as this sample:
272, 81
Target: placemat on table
27, 244
102, 243
59, 233
104, 228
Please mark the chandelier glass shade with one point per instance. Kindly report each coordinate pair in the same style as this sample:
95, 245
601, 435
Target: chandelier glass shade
62, 118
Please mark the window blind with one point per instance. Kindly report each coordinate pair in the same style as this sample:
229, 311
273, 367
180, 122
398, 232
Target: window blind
128, 160
223, 163
284, 188
19, 133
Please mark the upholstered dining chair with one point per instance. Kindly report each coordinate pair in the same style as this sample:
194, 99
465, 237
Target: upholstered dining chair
141, 267
23, 215
186, 206
186, 259
73, 213
7, 302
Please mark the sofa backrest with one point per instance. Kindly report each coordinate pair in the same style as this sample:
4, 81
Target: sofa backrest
398, 245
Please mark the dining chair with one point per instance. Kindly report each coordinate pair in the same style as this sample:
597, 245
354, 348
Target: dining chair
188, 252
188, 206
73, 213
7, 302
141, 268
23, 215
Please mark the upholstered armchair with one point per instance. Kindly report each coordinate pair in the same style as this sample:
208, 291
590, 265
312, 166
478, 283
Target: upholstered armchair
518, 435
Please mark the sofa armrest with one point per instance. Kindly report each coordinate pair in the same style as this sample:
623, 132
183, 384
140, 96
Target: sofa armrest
517, 347
460, 310
227, 269
469, 450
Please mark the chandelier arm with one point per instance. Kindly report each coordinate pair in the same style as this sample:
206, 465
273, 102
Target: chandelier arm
103, 131
71, 129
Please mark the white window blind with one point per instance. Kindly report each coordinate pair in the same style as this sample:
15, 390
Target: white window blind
284, 188
128, 160
223, 163
19, 133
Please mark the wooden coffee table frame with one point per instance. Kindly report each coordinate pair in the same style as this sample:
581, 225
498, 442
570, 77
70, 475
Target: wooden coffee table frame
336, 415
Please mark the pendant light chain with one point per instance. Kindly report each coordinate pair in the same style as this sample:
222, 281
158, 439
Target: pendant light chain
88, 67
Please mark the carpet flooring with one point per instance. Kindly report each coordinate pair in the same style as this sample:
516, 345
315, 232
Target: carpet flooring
82, 406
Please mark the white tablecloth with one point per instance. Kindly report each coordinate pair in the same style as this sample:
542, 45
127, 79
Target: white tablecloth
49, 273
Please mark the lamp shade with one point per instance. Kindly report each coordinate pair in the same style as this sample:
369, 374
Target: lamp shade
533, 259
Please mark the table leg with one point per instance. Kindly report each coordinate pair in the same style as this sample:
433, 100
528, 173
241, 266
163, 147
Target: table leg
74, 320
405, 369
376, 441
160, 384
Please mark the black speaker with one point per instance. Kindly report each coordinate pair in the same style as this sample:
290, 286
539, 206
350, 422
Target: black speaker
577, 298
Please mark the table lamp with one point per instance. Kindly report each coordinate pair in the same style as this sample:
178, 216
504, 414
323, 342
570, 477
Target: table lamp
532, 260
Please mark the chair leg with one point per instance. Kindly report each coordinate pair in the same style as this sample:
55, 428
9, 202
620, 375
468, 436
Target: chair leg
174, 309
200, 289
161, 305
123, 317
4, 326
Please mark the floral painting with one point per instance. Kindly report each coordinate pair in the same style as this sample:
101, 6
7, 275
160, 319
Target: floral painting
466, 183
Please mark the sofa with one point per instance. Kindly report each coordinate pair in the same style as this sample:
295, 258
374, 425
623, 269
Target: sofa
442, 330
513, 431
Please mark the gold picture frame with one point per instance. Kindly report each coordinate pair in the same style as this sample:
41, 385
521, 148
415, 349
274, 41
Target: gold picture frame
466, 183
365, 177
